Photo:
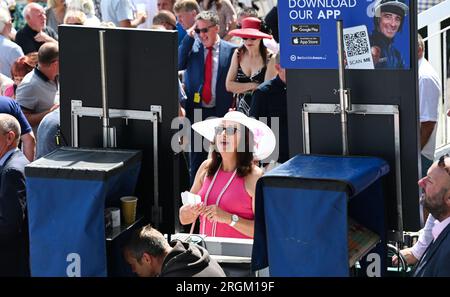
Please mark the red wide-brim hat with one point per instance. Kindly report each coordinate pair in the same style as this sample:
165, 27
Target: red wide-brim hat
250, 29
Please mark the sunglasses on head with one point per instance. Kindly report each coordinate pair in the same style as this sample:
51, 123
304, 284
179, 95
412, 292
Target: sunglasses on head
228, 130
203, 30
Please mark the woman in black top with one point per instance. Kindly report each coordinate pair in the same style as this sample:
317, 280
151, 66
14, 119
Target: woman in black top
251, 64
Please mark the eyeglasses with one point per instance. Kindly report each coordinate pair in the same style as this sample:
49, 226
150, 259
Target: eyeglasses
441, 163
245, 38
203, 30
228, 130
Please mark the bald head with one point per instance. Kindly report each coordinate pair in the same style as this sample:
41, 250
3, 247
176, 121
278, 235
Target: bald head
34, 15
10, 132
48, 53
48, 60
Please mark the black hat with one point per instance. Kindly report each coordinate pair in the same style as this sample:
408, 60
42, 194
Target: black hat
395, 6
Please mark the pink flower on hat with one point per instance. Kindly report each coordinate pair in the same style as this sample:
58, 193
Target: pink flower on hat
258, 134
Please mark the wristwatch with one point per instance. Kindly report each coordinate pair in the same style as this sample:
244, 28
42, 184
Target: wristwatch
234, 220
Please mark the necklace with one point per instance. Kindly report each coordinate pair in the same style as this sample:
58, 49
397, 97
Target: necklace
218, 197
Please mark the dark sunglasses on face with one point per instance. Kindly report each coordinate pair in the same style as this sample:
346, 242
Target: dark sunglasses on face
245, 38
228, 130
203, 30
441, 162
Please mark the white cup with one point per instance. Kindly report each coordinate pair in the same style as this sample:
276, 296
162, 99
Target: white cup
115, 216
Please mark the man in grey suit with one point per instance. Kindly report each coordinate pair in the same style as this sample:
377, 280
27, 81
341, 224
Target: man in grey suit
13, 227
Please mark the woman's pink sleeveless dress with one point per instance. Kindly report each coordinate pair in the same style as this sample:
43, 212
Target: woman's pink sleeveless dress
235, 200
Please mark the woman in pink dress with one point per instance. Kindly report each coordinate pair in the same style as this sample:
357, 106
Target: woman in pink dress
226, 182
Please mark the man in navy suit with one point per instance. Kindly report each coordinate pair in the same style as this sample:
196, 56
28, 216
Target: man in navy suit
205, 90
13, 229
436, 199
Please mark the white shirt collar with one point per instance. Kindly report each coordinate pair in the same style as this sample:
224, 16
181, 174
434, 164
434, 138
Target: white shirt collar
439, 227
6, 156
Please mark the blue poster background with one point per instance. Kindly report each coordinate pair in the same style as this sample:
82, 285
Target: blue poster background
324, 56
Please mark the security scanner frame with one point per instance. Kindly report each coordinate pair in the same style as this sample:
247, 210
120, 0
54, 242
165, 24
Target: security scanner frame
379, 116
366, 101
316, 215
70, 237
134, 73
346, 108
154, 115
121, 73
361, 109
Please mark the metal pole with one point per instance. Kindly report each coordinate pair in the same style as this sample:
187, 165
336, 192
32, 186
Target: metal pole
444, 85
74, 125
156, 211
105, 118
343, 100
398, 175
306, 136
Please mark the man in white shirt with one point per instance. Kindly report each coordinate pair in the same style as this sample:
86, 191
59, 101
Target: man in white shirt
9, 50
429, 93
122, 13
414, 253
436, 199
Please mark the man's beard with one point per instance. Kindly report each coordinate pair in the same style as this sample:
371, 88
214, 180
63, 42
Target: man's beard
435, 204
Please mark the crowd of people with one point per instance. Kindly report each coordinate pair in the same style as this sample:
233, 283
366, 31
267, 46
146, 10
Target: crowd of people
229, 69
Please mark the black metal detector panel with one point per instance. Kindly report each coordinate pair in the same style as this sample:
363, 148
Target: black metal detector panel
367, 134
141, 71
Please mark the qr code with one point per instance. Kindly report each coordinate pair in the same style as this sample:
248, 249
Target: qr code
356, 43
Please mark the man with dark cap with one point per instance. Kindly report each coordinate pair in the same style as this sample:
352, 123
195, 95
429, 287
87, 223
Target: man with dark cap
389, 16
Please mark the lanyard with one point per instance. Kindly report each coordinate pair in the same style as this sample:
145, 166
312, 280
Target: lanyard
218, 197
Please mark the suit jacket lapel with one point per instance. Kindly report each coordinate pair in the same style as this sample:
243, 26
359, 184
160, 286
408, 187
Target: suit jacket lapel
432, 248
222, 62
6, 162
9, 158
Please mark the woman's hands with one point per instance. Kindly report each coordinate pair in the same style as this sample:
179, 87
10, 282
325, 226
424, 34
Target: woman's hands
213, 213
190, 212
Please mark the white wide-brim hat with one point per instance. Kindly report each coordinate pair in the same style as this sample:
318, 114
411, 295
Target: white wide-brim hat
263, 138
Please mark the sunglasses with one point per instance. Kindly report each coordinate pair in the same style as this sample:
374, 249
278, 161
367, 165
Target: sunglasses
441, 163
203, 30
229, 131
245, 38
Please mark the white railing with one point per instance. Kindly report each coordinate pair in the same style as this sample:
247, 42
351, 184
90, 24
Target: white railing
436, 42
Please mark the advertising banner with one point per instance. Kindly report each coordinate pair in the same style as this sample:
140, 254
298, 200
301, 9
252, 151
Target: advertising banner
376, 33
